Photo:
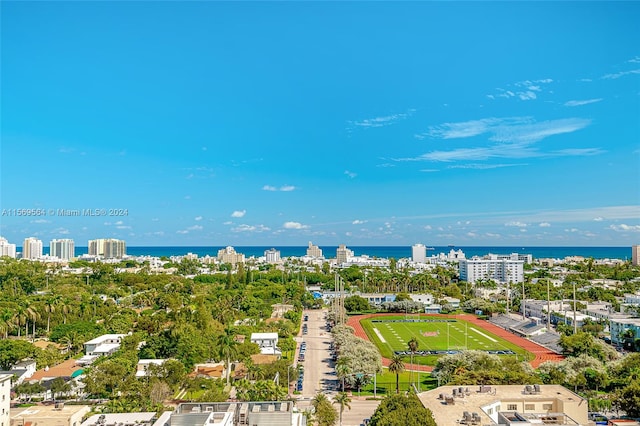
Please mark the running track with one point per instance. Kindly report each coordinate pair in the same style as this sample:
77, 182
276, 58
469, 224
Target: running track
541, 353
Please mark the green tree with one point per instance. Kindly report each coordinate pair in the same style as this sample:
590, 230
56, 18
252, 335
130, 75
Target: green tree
227, 349
59, 386
628, 399
396, 367
13, 351
343, 369
343, 400
412, 345
325, 413
397, 410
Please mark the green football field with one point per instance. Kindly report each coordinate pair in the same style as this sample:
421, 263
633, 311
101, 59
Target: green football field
392, 333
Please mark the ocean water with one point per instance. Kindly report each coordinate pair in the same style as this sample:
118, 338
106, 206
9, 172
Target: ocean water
396, 252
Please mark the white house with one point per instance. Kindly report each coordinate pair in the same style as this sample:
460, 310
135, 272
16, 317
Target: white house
103, 345
268, 343
143, 366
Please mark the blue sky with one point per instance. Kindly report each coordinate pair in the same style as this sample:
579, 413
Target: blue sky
360, 123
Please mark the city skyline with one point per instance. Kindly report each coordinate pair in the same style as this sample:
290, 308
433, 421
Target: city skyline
206, 124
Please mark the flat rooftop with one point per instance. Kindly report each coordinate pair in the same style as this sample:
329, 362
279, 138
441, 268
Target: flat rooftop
450, 414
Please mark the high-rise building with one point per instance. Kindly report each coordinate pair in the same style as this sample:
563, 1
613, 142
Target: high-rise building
109, 248
343, 254
62, 249
314, 251
635, 255
491, 267
419, 253
229, 255
272, 255
6, 248
32, 248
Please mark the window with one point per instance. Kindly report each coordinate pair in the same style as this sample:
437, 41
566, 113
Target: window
529, 406
512, 407
490, 411
547, 407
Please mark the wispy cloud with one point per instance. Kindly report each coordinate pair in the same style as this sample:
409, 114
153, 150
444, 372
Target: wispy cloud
197, 218
617, 75
583, 102
516, 224
382, 121
294, 225
485, 166
350, 174
635, 60
239, 213
358, 222
625, 228
515, 137
250, 228
283, 188
525, 90
544, 225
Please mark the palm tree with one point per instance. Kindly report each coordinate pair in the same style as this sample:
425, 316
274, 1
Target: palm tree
343, 369
227, 348
396, 367
343, 400
318, 400
413, 347
50, 307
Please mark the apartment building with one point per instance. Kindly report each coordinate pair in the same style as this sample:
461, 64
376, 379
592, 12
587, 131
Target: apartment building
62, 249
32, 248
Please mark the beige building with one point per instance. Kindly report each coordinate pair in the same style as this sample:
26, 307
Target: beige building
343, 254
229, 255
314, 251
5, 398
32, 248
51, 415
505, 405
62, 249
109, 248
635, 255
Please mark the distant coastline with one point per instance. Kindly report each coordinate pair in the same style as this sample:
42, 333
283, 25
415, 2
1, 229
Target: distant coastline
396, 252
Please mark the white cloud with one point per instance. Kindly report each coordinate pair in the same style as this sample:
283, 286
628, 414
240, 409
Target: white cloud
227, 223
350, 174
250, 228
598, 219
516, 223
427, 227
485, 166
62, 231
195, 228
238, 213
284, 188
382, 121
119, 222
294, 225
623, 227
527, 96
197, 218
187, 197
582, 102
617, 75
123, 227
635, 60
544, 224
514, 137
41, 221
182, 232
358, 222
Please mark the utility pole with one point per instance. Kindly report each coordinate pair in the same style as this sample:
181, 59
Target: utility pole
548, 307
575, 324
524, 317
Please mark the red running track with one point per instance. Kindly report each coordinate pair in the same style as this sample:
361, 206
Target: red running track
541, 353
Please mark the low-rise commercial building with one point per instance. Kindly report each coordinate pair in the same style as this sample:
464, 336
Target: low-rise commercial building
506, 405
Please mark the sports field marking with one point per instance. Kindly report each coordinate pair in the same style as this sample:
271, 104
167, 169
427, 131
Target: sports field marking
484, 335
379, 335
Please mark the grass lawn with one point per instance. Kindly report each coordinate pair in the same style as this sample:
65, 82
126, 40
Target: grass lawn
392, 333
386, 383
